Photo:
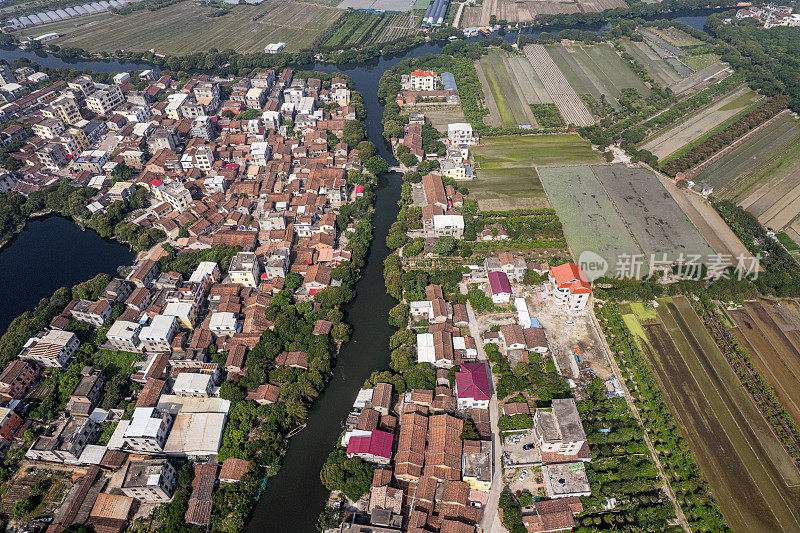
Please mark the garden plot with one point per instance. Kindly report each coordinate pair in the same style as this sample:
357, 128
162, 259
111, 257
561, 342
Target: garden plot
595, 70
734, 446
770, 331
702, 78
187, 27
590, 220
526, 10
501, 86
529, 83
661, 71
661, 229
569, 104
701, 122
506, 174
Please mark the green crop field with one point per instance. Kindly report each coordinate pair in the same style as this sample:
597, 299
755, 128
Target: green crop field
502, 88
700, 61
590, 221
507, 177
530, 150
595, 70
362, 29
661, 71
734, 446
698, 126
755, 161
188, 27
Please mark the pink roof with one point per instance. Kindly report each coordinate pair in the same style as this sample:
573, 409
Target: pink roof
359, 188
498, 283
378, 443
472, 381
419, 72
570, 276
156, 183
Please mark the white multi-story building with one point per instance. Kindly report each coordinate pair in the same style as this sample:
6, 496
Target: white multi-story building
104, 101
124, 335
147, 431
245, 269
158, 335
149, 481
52, 349
559, 429
460, 133
568, 285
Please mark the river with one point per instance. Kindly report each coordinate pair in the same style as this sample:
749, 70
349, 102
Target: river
49, 253
295, 496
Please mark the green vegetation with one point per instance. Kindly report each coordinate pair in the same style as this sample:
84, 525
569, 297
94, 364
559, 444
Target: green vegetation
547, 115
692, 491
506, 172
512, 422
787, 242
358, 28
512, 515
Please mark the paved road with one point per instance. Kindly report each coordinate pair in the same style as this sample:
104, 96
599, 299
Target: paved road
635, 411
491, 519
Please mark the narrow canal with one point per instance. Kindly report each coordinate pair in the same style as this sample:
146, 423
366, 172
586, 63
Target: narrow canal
295, 496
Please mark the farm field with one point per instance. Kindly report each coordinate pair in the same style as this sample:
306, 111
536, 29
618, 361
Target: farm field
619, 212
589, 219
747, 165
762, 174
660, 227
186, 27
441, 116
700, 61
595, 70
573, 110
770, 331
507, 177
502, 87
700, 123
734, 446
661, 71
526, 10
362, 29
705, 218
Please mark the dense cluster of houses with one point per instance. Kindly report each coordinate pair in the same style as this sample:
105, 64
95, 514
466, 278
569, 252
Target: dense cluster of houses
272, 185
770, 15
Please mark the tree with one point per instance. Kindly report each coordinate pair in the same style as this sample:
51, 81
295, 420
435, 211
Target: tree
525, 499
232, 392
23, 507
353, 133
402, 359
444, 245
351, 475
532, 278
366, 149
293, 280
469, 431
376, 165
398, 315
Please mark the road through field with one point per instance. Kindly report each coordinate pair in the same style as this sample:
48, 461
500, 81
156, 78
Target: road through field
734, 446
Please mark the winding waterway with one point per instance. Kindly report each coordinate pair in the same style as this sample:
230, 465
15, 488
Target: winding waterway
295, 496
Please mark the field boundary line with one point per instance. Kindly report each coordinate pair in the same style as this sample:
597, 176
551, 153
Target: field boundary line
666, 486
733, 418
696, 169
616, 208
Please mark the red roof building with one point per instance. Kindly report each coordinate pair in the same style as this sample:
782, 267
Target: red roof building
569, 286
500, 287
472, 386
375, 448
